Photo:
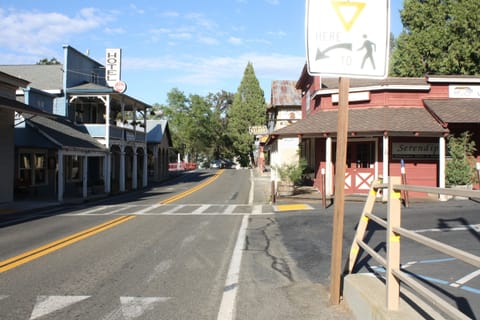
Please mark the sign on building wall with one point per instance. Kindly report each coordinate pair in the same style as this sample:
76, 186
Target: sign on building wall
113, 66
258, 130
414, 150
348, 38
464, 91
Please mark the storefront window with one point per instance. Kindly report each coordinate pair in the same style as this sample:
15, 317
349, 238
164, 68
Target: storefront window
73, 167
40, 168
361, 155
24, 168
32, 168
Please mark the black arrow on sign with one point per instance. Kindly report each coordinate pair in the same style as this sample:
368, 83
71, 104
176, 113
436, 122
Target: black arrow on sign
323, 54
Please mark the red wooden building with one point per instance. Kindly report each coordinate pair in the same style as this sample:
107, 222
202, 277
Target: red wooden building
390, 121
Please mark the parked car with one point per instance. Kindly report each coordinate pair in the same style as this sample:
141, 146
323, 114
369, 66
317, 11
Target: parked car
216, 164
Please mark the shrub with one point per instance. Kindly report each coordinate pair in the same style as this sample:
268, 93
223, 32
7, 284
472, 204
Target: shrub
292, 172
459, 169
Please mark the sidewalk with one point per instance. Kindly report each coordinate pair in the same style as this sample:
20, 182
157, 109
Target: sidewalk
363, 294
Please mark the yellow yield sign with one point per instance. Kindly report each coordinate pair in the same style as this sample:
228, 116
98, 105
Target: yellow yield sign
348, 12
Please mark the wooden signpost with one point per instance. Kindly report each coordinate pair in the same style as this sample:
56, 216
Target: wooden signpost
339, 199
345, 39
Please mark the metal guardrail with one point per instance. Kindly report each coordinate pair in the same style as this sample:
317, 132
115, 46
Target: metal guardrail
394, 275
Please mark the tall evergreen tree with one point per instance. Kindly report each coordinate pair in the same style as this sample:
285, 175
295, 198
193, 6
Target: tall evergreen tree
438, 37
248, 109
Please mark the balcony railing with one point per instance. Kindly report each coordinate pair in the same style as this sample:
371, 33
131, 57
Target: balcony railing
117, 133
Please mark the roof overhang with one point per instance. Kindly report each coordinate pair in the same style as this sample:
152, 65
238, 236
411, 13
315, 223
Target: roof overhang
453, 79
455, 110
107, 91
20, 107
365, 122
394, 87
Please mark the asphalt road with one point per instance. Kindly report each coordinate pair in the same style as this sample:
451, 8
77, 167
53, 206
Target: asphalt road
150, 267
191, 248
172, 252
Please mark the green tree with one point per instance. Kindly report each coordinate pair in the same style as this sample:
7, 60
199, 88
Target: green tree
438, 37
176, 113
460, 168
248, 109
221, 144
48, 61
200, 126
197, 124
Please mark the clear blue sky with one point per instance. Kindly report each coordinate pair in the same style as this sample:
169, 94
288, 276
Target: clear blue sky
195, 46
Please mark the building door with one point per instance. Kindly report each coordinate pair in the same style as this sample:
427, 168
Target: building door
360, 169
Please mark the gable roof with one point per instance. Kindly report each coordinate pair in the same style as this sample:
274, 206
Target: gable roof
374, 121
454, 110
157, 130
40, 76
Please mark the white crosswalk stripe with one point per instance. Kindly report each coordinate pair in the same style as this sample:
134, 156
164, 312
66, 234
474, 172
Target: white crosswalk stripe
179, 209
201, 209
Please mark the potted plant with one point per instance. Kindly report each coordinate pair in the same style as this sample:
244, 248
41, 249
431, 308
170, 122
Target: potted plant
291, 175
460, 169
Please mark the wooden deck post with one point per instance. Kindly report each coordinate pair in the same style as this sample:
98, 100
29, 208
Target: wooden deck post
393, 244
362, 226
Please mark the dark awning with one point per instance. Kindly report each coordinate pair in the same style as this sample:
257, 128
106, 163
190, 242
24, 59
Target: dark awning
65, 135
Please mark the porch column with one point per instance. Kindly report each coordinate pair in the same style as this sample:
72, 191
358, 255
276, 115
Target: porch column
274, 162
107, 174
134, 169
441, 166
156, 163
328, 169
60, 177
122, 169
85, 177
386, 164
107, 122
164, 166
145, 167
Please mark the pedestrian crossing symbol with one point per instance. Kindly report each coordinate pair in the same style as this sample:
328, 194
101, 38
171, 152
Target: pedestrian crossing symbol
348, 38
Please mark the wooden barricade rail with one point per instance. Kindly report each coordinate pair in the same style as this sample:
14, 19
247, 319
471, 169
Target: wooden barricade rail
394, 275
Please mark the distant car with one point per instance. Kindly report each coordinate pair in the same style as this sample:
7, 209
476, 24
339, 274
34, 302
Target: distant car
216, 164
228, 164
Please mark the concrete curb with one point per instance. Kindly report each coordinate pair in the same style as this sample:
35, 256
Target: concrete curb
365, 295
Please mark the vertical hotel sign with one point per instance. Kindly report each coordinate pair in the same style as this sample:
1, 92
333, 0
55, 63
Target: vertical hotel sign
348, 38
113, 66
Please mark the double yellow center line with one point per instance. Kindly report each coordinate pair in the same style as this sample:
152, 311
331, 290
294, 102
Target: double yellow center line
56, 245
194, 189
36, 253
